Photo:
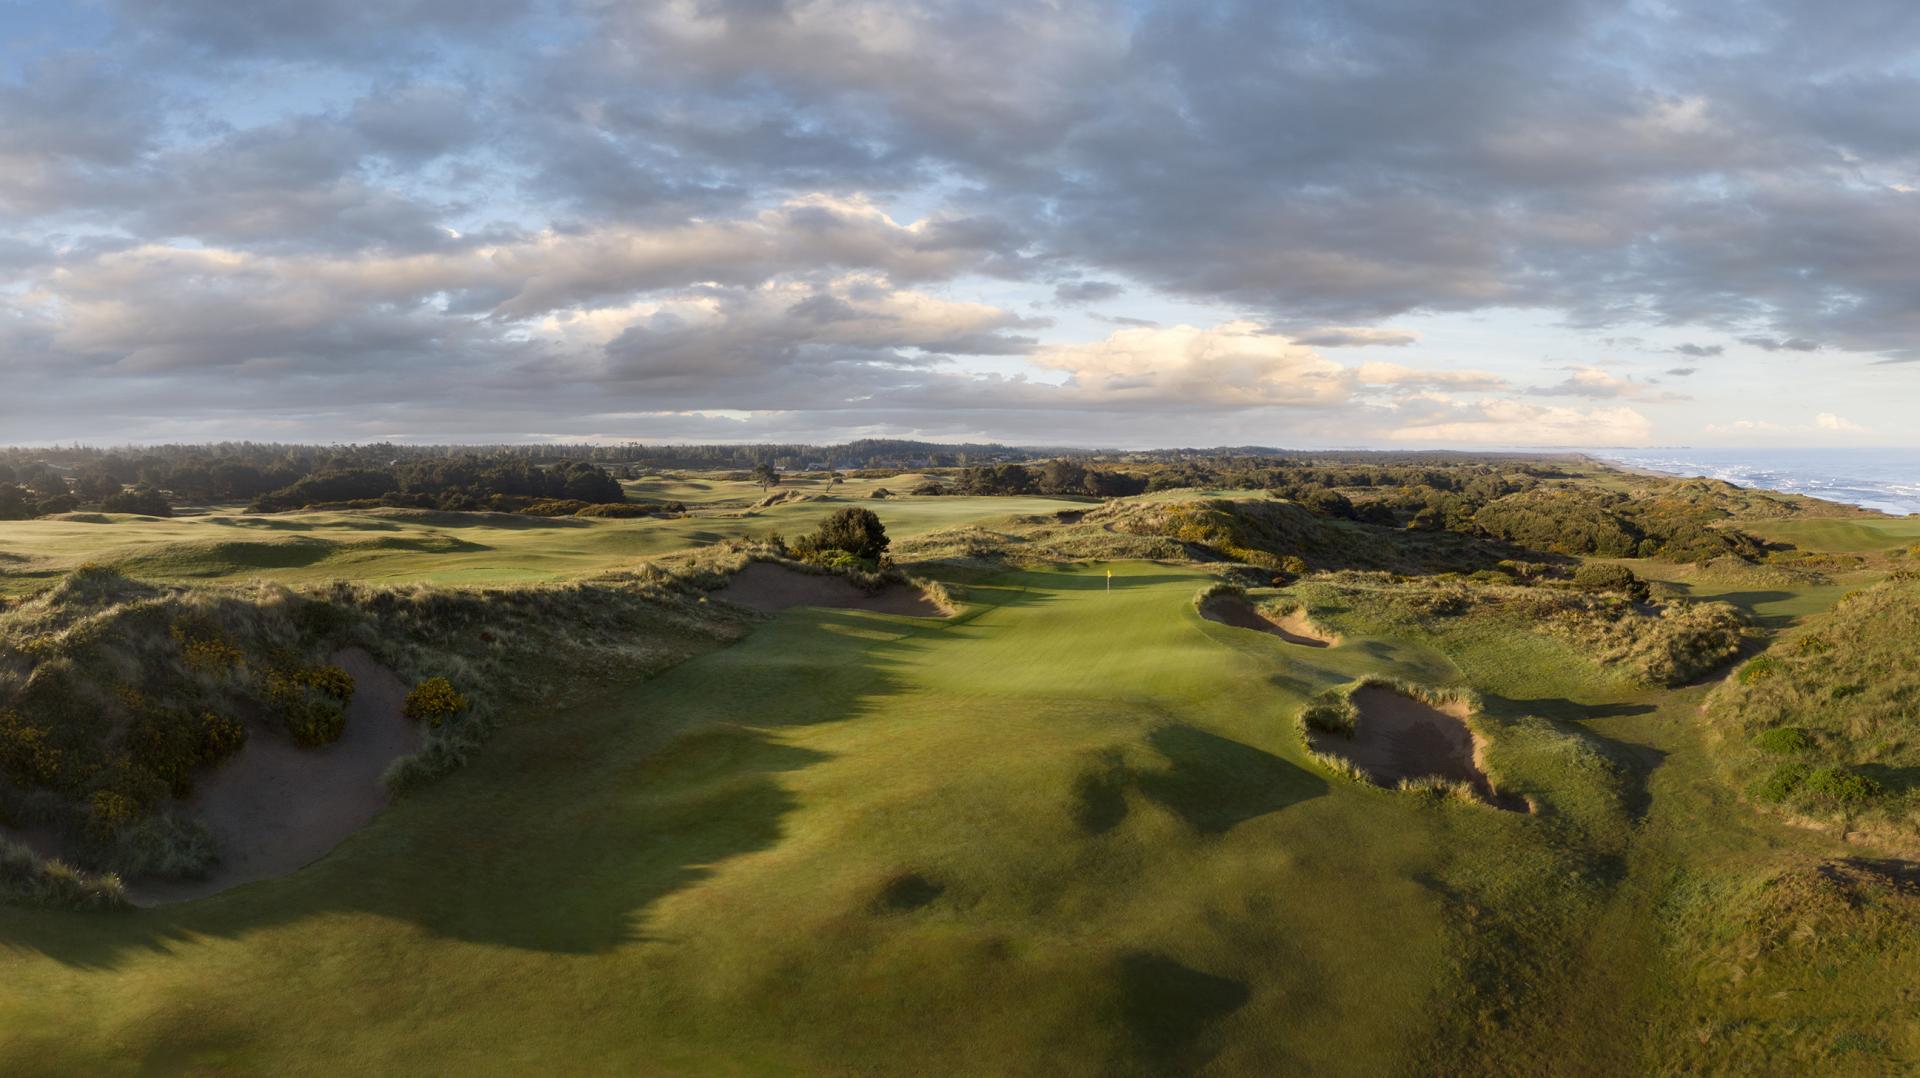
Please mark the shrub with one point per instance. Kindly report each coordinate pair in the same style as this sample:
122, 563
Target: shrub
27, 880
314, 720
110, 810
310, 701
1331, 712
1616, 578
852, 530
1784, 741
1781, 783
26, 753
434, 701
1759, 669
1840, 787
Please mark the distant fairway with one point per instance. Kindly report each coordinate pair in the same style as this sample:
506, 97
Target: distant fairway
418, 546
1839, 536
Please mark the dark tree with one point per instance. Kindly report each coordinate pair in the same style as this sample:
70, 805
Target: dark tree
852, 530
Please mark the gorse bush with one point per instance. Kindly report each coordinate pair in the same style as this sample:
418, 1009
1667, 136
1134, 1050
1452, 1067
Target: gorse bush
434, 701
1784, 741
312, 702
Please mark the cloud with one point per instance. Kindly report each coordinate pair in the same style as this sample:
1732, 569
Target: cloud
1516, 423
1234, 364
828, 201
1357, 336
1077, 292
1775, 344
1829, 421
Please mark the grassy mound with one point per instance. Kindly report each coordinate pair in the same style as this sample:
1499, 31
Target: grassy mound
1823, 724
116, 695
1667, 642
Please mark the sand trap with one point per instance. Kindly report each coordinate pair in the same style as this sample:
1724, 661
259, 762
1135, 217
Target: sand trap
1294, 628
276, 807
767, 587
1397, 737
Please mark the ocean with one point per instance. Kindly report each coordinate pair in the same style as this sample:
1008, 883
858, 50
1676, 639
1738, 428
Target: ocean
1883, 479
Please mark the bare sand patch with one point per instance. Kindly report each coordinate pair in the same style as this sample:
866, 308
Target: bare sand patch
769, 588
275, 807
1294, 627
1397, 737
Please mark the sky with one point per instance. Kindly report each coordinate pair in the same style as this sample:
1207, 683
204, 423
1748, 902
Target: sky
1308, 223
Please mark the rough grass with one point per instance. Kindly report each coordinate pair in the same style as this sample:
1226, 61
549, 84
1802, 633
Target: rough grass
115, 693
1823, 724
1663, 643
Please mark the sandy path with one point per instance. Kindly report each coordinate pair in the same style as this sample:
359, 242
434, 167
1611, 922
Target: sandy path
767, 587
275, 807
1294, 628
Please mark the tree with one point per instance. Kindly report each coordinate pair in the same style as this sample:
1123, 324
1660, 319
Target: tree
765, 475
853, 531
145, 501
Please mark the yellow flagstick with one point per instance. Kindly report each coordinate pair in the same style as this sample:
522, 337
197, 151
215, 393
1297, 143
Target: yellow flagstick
1109, 579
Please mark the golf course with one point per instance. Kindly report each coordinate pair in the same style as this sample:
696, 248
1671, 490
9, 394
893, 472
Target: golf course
1052, 816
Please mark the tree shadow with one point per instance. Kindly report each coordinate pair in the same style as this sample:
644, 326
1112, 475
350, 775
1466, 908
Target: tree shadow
1167, 1007
1215, 783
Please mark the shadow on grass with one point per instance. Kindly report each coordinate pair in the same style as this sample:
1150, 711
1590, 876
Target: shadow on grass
1215, 783
1167, 1007
1560, 708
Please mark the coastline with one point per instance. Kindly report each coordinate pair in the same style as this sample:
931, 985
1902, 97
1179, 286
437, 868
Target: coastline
1874, 482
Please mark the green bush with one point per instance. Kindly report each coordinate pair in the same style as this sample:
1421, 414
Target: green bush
1784, 741
1615, 578
1781, 783
1760, 669
853, 531
1840, 787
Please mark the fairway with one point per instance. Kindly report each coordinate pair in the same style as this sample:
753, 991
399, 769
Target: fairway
1107, 856
406, 546
1839, 536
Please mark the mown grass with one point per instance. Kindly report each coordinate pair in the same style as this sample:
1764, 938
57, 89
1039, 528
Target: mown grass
398, 546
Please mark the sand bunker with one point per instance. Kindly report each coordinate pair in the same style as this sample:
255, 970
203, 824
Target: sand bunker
1397, 737
275, 807
767, 587
1294, 628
